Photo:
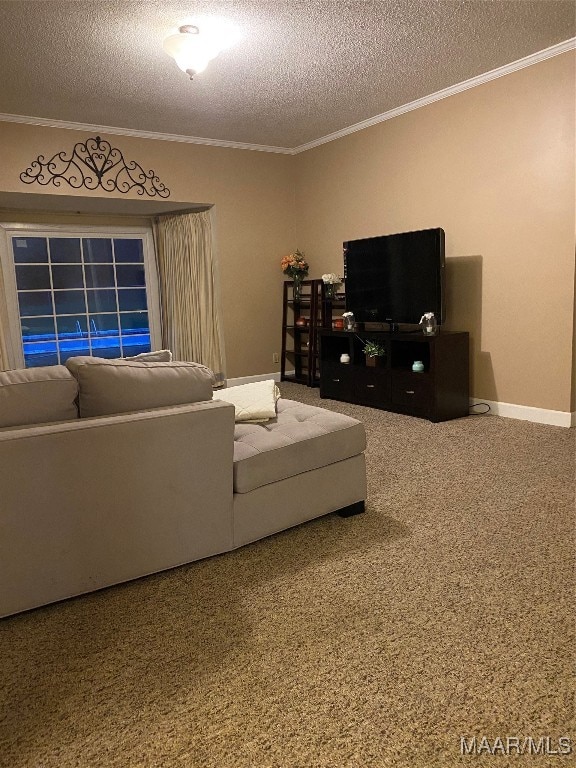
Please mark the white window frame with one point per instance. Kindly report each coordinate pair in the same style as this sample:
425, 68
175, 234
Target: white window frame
9, 230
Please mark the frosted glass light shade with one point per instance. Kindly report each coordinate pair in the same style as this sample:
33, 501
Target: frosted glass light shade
192, 47
190, 51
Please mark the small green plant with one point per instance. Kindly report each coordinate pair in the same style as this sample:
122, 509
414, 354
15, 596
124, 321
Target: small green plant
373, 349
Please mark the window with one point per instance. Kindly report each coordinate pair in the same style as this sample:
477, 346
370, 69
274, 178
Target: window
79, 291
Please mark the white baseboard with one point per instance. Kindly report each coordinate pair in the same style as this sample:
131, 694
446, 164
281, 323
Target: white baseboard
528, 413
508, 410
249, 379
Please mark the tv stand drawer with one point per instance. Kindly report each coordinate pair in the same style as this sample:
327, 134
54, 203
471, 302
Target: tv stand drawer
372, 387
411, 390
336, 381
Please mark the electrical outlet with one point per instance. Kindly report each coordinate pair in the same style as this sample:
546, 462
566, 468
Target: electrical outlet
275, 357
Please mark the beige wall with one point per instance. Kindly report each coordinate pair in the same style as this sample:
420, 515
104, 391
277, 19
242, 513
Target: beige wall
493, 166
253, 198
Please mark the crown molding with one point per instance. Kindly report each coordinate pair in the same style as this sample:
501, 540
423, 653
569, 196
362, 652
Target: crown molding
535, 58
115, 131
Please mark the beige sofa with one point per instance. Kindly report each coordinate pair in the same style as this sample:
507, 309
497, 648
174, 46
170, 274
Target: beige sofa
111, 470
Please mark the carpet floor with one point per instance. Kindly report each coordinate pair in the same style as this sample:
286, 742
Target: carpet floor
445, 612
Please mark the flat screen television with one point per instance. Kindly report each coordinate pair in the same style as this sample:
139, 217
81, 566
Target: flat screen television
396, 278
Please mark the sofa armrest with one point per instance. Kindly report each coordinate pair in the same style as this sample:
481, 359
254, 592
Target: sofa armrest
89, 503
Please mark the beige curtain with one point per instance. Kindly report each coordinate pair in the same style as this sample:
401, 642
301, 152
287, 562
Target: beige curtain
3, 327
189, 293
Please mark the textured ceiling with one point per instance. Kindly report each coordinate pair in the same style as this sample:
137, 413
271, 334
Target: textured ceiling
302, 70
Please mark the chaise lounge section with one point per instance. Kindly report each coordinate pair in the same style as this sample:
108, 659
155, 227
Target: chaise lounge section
113, 469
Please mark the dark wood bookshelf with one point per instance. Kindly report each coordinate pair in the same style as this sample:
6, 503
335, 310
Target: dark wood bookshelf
300, 342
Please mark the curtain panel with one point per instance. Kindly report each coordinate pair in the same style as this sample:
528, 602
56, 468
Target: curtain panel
4, 331
189, 291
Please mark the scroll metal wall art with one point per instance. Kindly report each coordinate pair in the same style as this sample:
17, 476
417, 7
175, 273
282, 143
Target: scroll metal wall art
95, 164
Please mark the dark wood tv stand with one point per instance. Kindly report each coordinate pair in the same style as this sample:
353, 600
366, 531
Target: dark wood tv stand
439, 393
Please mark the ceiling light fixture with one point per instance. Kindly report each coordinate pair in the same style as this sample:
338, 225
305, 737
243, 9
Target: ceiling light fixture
195, 44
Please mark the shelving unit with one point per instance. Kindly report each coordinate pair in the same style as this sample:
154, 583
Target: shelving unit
297, 347
439, 393
300, 342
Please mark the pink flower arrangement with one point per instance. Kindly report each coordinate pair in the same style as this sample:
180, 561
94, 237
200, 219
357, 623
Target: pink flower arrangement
295, 265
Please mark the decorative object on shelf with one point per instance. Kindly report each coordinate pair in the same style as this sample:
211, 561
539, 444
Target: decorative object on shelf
338, 324
345, 358
429, 324
95, 164
330, 280
349, 321
374, 352
301, 322
297, 288
295, 266
417, 366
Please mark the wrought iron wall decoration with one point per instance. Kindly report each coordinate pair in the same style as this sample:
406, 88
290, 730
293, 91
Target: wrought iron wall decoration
95, 164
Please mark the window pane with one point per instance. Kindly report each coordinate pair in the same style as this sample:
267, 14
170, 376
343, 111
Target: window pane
104, 325
134, 322
81, 296
38, 329
131, 299
97, 249
134, 345
72, 327
36, 303
106, 347
69, 302
99, 276
65, 249
31, 278
40, 354
130, 275
102, 301
67, 276
73, 348
29, 249
128, 250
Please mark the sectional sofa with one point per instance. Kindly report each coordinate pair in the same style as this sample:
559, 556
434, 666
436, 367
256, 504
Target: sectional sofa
114, 469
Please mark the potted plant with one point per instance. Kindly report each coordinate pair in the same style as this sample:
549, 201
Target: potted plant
373, 352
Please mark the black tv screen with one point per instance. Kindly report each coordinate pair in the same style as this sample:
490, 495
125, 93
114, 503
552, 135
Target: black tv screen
395, 278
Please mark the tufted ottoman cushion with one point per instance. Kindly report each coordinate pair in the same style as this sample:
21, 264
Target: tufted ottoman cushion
301, 438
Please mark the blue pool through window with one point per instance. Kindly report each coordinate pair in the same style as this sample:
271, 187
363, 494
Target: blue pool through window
81, 296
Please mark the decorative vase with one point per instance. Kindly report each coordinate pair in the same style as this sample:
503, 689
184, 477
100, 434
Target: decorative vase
297, 288
329, 291
429, 324
371, 361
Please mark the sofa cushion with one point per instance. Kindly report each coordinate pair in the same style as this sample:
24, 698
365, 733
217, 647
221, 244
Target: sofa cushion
120, 386
301, 438
37, 396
